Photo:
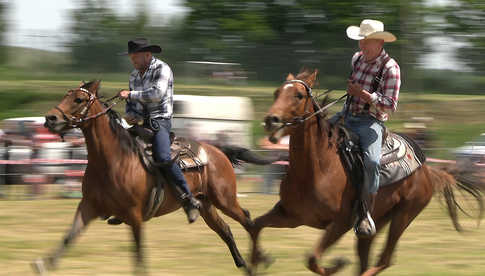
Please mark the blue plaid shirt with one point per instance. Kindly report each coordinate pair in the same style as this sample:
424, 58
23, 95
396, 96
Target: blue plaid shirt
151, 94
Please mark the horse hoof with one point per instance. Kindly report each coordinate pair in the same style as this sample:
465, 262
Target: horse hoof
340, 262
267, 260
250, 271
38, 266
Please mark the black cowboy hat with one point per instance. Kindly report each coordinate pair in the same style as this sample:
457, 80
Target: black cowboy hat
141, 45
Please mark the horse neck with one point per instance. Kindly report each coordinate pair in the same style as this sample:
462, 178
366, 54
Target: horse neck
309, 148
100, 140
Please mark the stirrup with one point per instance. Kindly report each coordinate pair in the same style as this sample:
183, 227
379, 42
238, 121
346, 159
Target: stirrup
365, 227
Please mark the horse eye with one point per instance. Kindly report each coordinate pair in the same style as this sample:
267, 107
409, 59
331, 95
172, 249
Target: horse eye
299, 95
78, 100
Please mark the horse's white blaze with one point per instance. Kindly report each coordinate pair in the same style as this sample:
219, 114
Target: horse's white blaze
287, 85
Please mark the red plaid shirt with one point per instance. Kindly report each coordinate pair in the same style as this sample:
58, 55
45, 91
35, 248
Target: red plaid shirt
384, 100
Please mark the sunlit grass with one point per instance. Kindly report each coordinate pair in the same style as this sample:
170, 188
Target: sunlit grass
30, 229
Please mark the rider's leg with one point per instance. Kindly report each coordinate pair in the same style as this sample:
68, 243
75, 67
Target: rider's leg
161, 153
370, 134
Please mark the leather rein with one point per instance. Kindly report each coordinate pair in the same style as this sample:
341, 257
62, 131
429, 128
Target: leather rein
300, 119
76, 121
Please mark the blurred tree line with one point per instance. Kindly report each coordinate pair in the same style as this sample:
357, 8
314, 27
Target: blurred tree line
270, 38
3, 28
464, 22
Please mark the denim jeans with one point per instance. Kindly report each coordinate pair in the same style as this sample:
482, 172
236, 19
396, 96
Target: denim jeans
161, 153
369, 130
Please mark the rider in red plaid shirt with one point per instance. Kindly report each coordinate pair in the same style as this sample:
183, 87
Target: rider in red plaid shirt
384, 100
373, 89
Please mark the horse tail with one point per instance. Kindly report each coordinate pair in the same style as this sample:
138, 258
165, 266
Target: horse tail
447, 180
237, 154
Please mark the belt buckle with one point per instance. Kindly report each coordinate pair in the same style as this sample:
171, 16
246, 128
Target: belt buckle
154, 125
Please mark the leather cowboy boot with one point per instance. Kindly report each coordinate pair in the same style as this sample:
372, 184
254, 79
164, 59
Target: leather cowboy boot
190, 205
365, 226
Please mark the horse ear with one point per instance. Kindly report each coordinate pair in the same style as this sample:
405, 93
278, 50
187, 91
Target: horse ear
95, 86
290, 77
312, 78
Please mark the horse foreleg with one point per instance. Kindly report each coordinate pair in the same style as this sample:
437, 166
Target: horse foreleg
334, 232
136, 228
83, 216
277, 218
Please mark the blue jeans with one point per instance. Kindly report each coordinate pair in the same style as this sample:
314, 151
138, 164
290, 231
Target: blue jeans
161, 153
369, 130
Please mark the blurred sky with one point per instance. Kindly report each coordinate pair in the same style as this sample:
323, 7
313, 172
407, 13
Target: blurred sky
43, 24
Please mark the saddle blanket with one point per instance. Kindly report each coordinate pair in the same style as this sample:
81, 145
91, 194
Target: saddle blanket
400, 158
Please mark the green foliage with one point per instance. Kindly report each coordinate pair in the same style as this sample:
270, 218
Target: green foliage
463, 21
100, 35
3, 28
272, 38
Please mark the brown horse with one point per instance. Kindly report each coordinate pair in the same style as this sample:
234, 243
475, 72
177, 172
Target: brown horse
317, 191
116, 184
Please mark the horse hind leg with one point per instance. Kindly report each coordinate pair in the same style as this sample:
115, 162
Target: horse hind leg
83, 216
404, 215
364, 244
216, 223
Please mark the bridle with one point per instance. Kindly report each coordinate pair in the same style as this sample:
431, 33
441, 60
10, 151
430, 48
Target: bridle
308, 115
82, 116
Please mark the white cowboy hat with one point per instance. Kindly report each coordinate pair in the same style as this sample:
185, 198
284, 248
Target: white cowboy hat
370, 29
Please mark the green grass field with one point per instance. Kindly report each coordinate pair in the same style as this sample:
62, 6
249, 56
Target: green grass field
30, 229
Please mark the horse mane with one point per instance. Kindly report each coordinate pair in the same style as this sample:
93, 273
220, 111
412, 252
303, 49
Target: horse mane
128, 144
303, 75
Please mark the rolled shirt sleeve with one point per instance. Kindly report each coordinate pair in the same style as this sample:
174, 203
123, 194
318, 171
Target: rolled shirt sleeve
386, 98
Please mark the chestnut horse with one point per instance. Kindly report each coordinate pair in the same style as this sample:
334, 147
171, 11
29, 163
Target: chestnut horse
115, 182
317, 191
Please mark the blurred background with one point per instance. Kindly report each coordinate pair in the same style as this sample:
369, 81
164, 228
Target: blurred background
228, 57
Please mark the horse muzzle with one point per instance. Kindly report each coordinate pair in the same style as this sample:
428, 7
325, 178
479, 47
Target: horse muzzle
275, 126
54, 124
272, 123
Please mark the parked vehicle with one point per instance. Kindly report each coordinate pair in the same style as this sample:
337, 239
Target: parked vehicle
221, 119
472, 151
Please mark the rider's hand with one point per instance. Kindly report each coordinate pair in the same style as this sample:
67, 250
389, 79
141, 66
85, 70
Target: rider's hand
356, 90
124, 94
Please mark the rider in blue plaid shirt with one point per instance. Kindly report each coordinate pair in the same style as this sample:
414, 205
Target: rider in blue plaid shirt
150, 102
